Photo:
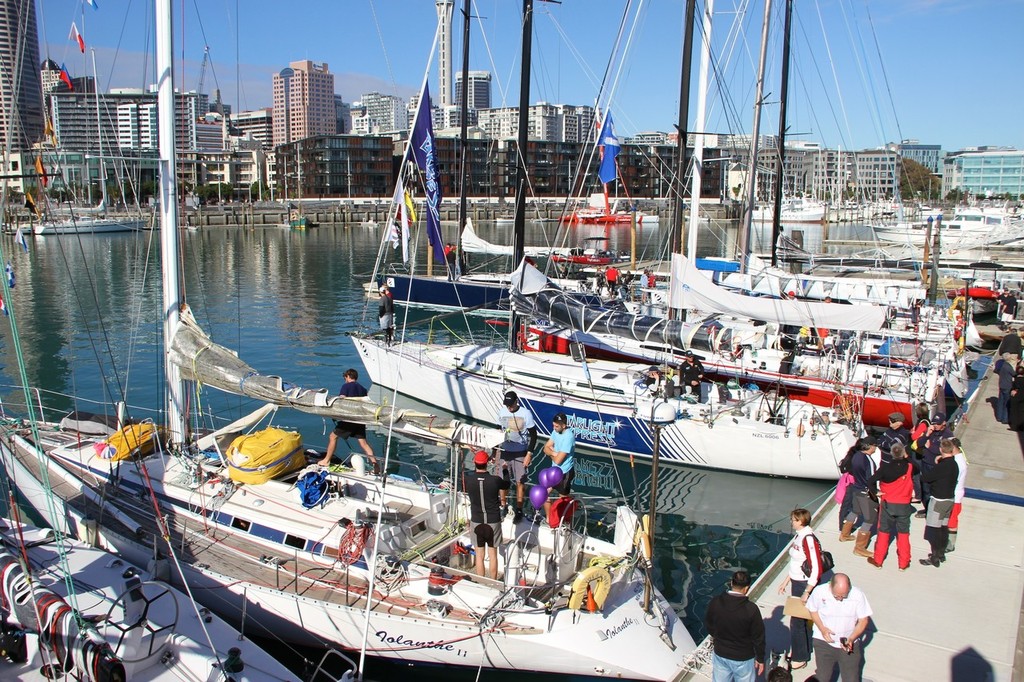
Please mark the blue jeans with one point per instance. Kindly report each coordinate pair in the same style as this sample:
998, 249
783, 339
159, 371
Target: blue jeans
1003, 407
728, 670
800, 628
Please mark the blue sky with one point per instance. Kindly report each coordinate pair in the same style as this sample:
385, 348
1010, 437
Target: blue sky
864, 72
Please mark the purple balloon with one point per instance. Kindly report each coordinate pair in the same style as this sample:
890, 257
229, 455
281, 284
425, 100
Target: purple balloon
538, 496
555, 476
544, 476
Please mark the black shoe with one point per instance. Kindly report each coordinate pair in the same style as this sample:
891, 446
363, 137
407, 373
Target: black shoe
930, 561
941, 559
518, 517
921, 514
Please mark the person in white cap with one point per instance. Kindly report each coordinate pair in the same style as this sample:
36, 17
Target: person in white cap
386, 313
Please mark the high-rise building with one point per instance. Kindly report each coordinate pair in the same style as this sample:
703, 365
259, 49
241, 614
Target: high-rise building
303, 102
21, 92
343, 112
479, 90
444, 51
256, 124
380, 114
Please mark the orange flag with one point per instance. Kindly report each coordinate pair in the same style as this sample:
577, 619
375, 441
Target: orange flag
41, 171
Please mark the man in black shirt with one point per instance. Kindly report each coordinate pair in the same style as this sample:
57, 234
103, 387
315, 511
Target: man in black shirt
1007, 308
691, 373
734, 623
897, 433
942, 478
485, 518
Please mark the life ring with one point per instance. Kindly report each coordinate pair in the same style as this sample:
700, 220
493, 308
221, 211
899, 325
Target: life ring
599, 582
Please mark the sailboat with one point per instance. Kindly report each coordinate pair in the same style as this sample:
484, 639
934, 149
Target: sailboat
338, 557
110, 621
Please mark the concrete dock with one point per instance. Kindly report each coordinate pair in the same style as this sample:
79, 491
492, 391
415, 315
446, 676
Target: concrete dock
960, 622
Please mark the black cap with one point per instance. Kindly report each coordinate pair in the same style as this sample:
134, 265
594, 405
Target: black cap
939, 418
511, 398
866, 442
559, 418
688, 354
653, 368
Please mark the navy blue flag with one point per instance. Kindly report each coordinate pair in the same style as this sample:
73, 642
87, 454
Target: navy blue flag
606, 172
426, 158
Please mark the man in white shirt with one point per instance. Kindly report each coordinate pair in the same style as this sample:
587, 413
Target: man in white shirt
841, 614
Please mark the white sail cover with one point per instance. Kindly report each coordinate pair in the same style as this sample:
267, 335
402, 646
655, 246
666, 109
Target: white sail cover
474, 243
692, 290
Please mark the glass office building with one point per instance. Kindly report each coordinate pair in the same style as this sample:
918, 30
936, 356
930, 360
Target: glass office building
985, 172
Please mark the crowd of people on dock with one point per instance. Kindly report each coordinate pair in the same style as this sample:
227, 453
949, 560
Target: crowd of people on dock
882, 481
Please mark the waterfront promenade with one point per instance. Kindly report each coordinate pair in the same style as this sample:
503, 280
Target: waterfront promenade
961, 622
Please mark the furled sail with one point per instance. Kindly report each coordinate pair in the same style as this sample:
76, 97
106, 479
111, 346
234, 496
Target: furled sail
692, 290
202, 360
474, 243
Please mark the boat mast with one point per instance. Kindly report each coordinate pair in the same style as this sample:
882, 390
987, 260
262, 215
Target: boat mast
99, 134
168, 215
519, 231
464, 133
780, 172
679, 240
697, 177
744, 240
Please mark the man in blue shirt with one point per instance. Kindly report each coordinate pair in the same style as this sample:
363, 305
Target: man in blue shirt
345, 430
561, 447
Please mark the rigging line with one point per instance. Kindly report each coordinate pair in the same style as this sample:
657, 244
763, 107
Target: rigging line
5, 291
857, 42
821, 80
835, 75
885, 73
380, 37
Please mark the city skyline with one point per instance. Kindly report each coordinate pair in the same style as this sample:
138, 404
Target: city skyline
572, 44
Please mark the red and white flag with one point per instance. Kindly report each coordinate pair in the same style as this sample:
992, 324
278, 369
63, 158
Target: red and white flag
77, 37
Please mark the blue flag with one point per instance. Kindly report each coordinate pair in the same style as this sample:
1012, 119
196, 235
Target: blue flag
426, 158
606, 172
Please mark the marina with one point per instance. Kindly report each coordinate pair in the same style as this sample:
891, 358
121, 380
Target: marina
417, 374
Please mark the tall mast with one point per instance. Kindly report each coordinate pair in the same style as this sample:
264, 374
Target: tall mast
464, 134
780, 172
168, 215
678, 223
697, 177
744, 240
519, 232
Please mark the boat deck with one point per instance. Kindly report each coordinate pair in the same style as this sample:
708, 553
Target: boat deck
205, 545
962, 621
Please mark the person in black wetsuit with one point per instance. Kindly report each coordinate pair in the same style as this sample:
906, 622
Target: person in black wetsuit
483, 490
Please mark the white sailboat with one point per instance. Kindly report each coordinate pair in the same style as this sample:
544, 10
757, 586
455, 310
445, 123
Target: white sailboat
110, 621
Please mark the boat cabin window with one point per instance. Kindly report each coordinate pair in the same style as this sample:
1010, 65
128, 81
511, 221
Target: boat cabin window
241, 524
295, 542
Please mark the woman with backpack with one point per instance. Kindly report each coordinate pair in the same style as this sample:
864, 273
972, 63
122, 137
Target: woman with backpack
804, 552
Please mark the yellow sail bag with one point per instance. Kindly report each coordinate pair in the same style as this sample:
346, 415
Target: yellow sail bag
263, 455
130, 441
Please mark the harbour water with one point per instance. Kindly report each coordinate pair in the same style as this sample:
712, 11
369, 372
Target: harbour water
86, 314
